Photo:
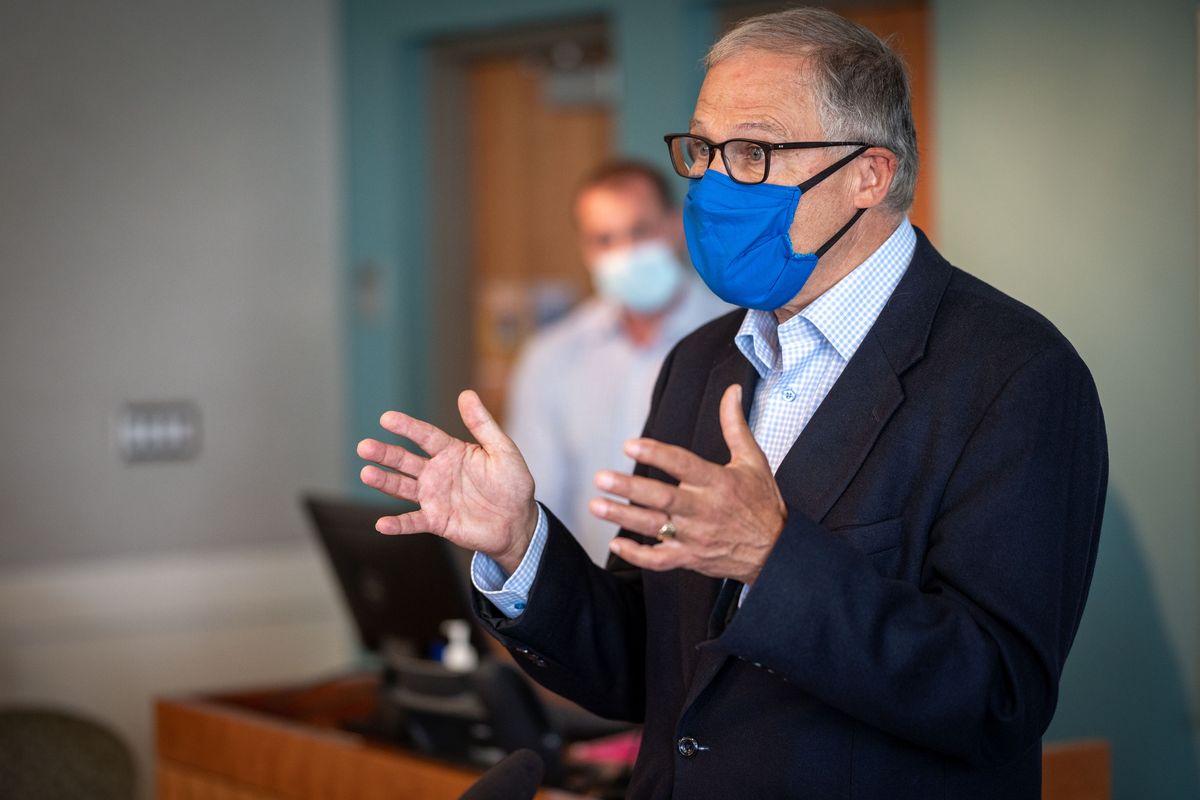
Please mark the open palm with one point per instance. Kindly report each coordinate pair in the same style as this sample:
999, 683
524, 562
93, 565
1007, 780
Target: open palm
479, 496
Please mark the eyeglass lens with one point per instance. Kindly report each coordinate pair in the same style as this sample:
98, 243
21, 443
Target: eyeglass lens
746, 161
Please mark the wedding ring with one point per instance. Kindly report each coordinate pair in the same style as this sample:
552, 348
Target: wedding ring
667, 531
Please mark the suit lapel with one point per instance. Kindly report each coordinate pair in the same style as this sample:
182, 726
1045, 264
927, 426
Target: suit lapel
731, 367
816, 470
831, 449
708, 443
841, 433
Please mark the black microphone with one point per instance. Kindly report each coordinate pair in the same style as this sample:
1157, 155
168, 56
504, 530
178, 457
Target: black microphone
516, 777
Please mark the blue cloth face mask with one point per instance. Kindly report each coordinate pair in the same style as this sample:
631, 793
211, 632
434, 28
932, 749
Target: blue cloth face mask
737, 236
643, 278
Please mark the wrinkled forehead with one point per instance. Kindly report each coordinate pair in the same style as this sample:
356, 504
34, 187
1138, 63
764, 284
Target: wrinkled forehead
757, 94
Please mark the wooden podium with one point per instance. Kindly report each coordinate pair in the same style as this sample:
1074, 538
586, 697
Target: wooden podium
288, 743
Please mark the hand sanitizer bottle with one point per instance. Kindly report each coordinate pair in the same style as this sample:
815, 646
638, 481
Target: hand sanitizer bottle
458, 655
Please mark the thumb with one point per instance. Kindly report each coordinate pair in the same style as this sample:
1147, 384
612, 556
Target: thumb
480, 422
738, 437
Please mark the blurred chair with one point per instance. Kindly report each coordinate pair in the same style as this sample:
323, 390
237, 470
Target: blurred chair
45, 753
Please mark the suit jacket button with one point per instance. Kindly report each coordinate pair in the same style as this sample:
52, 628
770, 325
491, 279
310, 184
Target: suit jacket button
687, 746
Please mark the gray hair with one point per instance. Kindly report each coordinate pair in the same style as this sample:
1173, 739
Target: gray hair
860, 83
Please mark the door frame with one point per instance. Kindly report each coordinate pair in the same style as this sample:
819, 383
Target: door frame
450, 242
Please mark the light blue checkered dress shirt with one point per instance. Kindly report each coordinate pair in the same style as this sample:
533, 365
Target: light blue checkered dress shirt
797, 363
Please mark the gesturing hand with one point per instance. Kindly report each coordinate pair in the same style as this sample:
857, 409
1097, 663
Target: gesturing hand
727, 518
479, 496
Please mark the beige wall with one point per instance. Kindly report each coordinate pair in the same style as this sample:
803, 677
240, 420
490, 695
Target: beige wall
168, 191
168, 208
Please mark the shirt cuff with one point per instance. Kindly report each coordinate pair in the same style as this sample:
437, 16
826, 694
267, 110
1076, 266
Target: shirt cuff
509, 593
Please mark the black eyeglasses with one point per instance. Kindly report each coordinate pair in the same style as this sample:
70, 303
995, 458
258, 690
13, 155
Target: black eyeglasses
746, 160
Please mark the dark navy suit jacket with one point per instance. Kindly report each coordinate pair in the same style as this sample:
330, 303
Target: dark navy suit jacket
906, 636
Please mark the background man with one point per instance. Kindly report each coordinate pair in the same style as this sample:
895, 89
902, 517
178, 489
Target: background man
582, 386
870, 589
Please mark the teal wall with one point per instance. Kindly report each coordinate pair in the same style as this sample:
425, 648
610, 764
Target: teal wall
1067, 176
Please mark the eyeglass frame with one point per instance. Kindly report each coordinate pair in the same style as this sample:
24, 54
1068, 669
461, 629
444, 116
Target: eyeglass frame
768, 148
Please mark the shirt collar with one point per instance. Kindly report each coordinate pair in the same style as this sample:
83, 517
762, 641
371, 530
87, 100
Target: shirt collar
842, 315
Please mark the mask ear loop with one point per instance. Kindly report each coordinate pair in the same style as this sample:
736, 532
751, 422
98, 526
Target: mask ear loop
832, 168
834, 239
822, 175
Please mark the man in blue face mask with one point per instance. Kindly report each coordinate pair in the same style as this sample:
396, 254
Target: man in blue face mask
582, 386
858, 543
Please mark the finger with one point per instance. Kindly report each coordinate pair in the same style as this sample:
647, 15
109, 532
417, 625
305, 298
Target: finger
738, 436
481, 423
645, 521
676, 461
429, 438
392, 455
392, 483
643, 491
411, 522
658, 558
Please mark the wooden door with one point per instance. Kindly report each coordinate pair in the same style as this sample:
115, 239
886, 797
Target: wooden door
530, 154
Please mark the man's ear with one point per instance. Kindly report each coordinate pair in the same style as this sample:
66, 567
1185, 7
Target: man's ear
875, 171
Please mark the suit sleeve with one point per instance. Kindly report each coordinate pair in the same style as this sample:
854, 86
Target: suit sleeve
967, 662
583, 632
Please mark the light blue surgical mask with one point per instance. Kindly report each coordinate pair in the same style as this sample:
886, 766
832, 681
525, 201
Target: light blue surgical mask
737, 236
643, 277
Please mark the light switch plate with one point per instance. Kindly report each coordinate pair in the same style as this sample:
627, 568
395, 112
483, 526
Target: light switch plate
166, 430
